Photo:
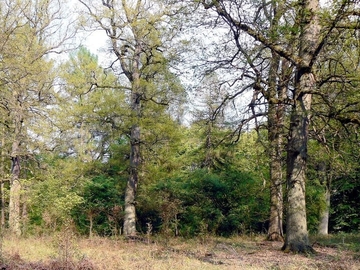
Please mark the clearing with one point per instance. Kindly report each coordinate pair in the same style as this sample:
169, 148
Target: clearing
67, 251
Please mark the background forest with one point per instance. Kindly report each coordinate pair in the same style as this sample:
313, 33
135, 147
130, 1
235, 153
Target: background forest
193, 118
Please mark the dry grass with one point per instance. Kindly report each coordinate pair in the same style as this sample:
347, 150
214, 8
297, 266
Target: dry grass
70, 252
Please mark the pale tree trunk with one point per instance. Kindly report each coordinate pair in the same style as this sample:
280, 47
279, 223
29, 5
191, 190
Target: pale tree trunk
325, 179
15, 185
91, 221
15, 189
324, 215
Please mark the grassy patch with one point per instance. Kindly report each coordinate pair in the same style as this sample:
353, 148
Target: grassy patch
67, 251
341, 241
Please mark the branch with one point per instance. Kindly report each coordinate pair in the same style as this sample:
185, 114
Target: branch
253, 33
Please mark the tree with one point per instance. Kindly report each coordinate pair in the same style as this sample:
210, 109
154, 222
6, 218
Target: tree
27, 79
134, 31
303, 55
88, 118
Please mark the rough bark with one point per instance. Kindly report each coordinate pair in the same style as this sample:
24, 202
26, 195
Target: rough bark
2, 181
297, 239
15, 189
131, 187
275, 122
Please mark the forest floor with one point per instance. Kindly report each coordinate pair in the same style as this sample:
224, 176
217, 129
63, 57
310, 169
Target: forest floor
65, 251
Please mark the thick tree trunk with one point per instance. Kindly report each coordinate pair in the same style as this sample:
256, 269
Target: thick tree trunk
296, 224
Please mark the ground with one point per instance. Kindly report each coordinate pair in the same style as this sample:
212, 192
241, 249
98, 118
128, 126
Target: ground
66, 251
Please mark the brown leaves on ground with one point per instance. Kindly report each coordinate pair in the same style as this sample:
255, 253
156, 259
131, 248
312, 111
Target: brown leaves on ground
204, 253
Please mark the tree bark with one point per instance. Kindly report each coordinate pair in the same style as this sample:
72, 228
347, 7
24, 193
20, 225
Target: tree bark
275, 122
135, 159
15, 185
297, 239
296, 224
3, 180
324, 215
15, 189
325, 179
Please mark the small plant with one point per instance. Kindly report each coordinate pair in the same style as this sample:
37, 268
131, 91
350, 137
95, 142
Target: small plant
149, 229
65, 244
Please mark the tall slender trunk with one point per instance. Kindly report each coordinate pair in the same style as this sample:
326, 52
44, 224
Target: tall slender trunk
275, 122
325, 179
3, 180
15, 189
325, 214
135, 159
15, 185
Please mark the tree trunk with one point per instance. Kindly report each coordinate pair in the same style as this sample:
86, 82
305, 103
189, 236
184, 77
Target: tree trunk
296, 224
324, 215
2, 181
275, 232
91, 220
275, 122
130, 193
15, 189
297, 239
325, 179
131, 187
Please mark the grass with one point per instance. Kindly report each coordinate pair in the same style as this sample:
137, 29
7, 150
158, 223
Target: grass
67, 251
341, 241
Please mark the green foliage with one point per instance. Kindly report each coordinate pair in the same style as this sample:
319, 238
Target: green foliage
54, 194
345, 201
103, 203
224, 203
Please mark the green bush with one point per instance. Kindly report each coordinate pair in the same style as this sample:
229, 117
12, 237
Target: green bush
223, 203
